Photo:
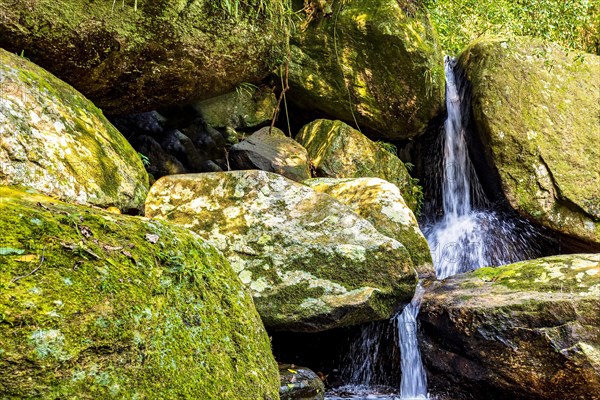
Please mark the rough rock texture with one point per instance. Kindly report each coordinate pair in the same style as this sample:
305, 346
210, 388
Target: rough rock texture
536, 108
310, 262
376, 61
55, 140
338, 151
165, 52
244, 108
299, 383
96, 305
523, 331
380, 203
271, 151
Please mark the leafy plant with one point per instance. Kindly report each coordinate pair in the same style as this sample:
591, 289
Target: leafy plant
574, 24
145, 159
390, 148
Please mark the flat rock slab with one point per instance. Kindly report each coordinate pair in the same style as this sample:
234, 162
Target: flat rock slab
527, 330
310, 262
270, 150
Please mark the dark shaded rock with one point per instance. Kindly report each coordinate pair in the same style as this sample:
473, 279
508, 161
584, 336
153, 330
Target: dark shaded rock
160, 163
140, 55
272, 151
149, 124
300, 383
527, 331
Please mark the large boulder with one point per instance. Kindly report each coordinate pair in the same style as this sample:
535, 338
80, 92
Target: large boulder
96, 305
381, 203
139, 55
373, 63
336, 150
310, 262
536, 108
523, 331
270, 150
55, 140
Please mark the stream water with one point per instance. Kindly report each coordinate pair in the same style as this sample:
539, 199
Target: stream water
463, 238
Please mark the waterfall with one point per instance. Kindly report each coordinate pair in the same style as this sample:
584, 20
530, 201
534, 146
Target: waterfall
466, 236
414, 379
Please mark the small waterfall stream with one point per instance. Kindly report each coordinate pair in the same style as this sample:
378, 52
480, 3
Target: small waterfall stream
463, 238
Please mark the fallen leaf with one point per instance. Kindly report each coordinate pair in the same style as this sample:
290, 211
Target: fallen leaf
127, 254
27, 258
293, 371
111, 248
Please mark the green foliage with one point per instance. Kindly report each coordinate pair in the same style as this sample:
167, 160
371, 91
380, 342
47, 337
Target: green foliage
145, 159
390, 148
574, 24
277, 10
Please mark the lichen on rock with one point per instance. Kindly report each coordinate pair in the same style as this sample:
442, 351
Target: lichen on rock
381, 203
310, 262
56, 141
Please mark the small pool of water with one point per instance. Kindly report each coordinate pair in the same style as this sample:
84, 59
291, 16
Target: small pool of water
368, 393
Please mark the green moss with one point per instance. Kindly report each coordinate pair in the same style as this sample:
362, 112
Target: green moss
555, 274
109, 314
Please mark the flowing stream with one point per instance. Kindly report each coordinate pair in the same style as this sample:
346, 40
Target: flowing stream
462, 239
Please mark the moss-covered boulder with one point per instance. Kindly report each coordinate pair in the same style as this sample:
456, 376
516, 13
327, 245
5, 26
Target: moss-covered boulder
247, 107
98, 306
135, 56
523, 331
536, 109
336, 150
310, 262
376, 62
55, 140
381, 203
270, 150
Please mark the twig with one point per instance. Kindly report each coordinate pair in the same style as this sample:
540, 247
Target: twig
284, 89
32, 272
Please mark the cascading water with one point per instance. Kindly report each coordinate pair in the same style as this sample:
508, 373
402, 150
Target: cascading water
464, 238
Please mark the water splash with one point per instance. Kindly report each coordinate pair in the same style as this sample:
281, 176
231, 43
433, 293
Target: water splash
414, 379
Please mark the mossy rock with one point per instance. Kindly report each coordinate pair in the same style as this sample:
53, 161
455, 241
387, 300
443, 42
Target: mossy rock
163, 52
336, 150
97, 305
246, 107
55, 140
527, 330
381, 203
311, 263
374, 61
536, 109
